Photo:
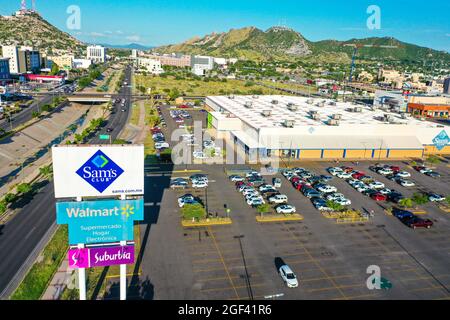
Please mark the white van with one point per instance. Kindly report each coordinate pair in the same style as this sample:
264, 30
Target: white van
279, 198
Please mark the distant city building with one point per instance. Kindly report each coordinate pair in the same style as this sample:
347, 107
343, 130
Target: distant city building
12, 52
399, 101
150, 65
429, 110
29, 61
134, 53
63, 62
97, 54
81, 63
174, 60
201, 64
447, 86
4, 69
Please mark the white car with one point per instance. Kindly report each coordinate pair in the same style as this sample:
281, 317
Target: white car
279, 198
266, 187
335, 171
353, 182
287, 173
286, 209
255, 202
407, 183
248, 191
363, 188
425, 170
186, 199
403, 174
335, 196
385, 191
161, 145
376, 185
236, 178
327, 189
252, 197
344, 175
434, 197
288, 276
343, 201
199, 184
252, 173
385, 171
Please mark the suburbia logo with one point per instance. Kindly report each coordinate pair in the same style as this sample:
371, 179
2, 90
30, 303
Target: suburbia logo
100, 171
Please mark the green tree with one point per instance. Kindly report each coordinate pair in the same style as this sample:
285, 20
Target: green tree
3, 206
335, 206
406, 203
193, 212
433, 160
55, 69
263, 208
35, 114
24, 188
46, 170
10, 198
420, 198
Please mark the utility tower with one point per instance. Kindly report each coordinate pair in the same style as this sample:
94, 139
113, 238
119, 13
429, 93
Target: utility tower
23, 7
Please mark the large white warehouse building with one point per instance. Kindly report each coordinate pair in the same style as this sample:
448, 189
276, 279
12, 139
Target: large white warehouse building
312, 128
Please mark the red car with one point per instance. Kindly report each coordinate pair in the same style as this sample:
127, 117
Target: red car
299, 184
183, 106
358, 175
347, 169
155, 130
378, 197
295, 179
417, 222
395, 168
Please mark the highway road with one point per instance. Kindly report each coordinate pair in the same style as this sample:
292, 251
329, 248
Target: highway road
23, 237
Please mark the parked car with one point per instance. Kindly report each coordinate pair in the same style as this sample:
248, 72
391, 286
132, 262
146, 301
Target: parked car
402, 214
403, 174
343, 201
320, 204
344, 175
236, 178
334, 171
326, 188
434, 197
281, 198
385, 191
288, 276
376, 185
161, 145
416, 222
178, 183
199, 184
406, 183
286, 209
433, 174
186, 199
378, 196
385, 171
255, 203
311, 193
276, 182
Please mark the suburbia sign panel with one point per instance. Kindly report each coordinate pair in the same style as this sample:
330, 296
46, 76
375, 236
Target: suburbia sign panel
100, 257
100, 221
97, 171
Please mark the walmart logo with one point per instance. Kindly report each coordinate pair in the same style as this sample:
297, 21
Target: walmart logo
100, 171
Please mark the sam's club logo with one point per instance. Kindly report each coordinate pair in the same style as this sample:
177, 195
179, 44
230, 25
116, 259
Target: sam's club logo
100, 171
441, 140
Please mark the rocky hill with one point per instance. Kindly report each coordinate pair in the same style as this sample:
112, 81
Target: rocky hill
287, 44
33, 30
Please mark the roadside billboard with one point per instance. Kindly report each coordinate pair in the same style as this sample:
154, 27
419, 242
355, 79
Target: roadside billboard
98, 171
100, 257
100, 221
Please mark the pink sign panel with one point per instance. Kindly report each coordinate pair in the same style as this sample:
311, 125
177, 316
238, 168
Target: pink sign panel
100, 257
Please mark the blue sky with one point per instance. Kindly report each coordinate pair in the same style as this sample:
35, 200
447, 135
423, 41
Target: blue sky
158, 22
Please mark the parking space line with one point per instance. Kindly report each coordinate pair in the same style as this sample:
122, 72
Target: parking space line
338, 287
318, 265
224, 278
324, 278
223, 262
215, 260
233, 287
361, 296
429, 288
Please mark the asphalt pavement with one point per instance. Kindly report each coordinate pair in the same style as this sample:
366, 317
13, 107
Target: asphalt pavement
25, 235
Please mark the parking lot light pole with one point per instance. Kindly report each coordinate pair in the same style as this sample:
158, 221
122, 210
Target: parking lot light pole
247, 277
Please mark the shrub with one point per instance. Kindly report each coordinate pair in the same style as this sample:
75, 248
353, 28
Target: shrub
193, 211
406, 203
420, 198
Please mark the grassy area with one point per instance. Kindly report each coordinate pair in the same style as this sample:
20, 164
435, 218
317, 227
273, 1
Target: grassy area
36, 281
292, 86
193, 87
135, 113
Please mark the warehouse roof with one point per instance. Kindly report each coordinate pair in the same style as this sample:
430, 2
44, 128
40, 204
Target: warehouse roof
272, 111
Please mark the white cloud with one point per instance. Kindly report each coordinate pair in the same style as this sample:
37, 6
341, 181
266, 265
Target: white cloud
134, 38
119, 32
97, 34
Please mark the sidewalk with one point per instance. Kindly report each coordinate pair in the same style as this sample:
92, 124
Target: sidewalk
60, 280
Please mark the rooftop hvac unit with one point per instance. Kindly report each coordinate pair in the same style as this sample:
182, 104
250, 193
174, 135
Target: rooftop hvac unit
289, 123
312, 112
274, 101
357, 109
310, 101
336, 116
231, 97
316, 116
333, 122
248, 104
332, 103
292, 107
266, 113
320, 104
387, 117
404, 115
255, 97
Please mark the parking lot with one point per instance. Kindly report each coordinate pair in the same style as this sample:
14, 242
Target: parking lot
330, 259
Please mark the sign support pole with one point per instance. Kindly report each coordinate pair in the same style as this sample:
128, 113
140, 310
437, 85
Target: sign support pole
123, 269
81, 271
